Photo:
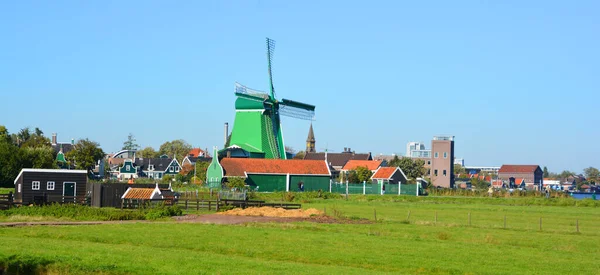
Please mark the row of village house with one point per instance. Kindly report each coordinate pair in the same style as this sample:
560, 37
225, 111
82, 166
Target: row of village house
124, 167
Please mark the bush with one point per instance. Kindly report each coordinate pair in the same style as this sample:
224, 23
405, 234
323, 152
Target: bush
163, 212
82, 212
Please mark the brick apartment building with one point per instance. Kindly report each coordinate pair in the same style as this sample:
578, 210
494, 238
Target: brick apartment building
442, 161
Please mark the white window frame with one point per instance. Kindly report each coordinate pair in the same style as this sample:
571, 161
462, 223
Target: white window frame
171, 169
74, 187
444, 173
435, 173
33, 185
445, 155
49, 186
127, 168
435, 155
176, 168
19, 188
151, 167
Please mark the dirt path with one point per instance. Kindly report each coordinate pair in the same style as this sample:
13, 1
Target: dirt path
15, 224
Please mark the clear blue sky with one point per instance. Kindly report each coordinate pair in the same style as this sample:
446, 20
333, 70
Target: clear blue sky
515, 81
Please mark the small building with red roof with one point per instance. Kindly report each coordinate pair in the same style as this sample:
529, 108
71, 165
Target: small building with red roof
391, 175
269, 175
531, 174
156, 193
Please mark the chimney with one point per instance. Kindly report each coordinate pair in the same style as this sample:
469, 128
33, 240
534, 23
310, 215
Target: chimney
54, 139
345, 149
226, 132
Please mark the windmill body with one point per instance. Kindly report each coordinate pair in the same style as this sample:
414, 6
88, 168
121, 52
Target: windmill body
257, 124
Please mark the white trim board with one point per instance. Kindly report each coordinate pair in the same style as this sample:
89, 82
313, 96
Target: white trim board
48, 171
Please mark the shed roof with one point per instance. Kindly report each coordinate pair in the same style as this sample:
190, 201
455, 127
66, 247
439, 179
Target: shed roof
506, 168
139, 193
387, 172
39, 170
337, 159
370, 164
238, 167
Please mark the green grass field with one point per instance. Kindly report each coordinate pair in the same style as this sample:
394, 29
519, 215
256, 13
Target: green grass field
6, 190
391, 245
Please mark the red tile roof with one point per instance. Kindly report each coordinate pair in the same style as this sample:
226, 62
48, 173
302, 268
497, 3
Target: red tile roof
518, 168
139, 193
195, 152
519, 181
384, 172
370, 164
237, 166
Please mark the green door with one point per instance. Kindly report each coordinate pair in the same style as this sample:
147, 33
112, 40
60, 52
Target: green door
69, 189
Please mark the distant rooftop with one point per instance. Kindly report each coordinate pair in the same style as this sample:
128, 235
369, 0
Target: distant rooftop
451, 138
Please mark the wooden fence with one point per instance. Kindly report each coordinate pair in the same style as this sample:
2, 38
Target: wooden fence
6, 201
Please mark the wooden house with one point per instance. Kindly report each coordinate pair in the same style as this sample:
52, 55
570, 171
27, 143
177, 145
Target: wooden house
49, 185
389, 175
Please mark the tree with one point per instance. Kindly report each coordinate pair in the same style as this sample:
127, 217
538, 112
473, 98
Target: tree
546, 173
235, 182
363, 174
147, 152
290, 149
412, 168
479, 184
178, 148
23, 135
201, 167
300, 155
130, 144
459, 169
9, 161
351, 176
37, 157
565, 174
591, 173
85, 154
4, 135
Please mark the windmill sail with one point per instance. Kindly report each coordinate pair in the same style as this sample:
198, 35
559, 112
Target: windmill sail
296, 109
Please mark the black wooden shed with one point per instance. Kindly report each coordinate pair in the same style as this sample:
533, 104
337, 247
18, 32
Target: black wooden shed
50, 185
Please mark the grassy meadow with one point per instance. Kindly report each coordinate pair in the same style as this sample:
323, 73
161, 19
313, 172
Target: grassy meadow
393, 244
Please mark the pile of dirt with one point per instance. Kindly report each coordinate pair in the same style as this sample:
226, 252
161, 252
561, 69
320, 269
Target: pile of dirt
273, 212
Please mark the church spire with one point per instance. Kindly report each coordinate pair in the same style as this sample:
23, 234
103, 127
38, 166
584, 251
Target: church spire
310, 141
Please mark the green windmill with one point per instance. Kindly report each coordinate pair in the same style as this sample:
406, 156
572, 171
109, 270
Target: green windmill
257, 125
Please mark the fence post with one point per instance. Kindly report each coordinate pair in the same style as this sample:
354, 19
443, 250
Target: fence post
346, 189
122, 203
197, 204
186, 204
364, 188
418, 188
209, 202
399, 188
330, 182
